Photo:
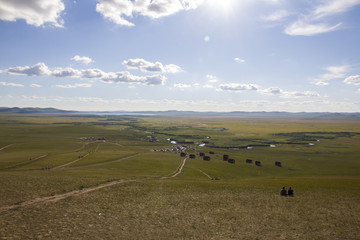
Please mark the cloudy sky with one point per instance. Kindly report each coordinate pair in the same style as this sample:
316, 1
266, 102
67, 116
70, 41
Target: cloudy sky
201, 55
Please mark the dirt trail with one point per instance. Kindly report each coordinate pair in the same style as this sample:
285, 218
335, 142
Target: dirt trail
95, 164
66, 164
25, 162
6, 146
82, 147
179, 170
117, 144
58, 197
205, 174
76, 160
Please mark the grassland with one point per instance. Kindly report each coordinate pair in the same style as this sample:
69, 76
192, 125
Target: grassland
98, 177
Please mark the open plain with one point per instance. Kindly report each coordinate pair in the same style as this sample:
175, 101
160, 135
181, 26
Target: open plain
123, 177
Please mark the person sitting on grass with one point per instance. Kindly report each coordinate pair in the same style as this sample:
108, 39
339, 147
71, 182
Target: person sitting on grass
283, 192
290, 192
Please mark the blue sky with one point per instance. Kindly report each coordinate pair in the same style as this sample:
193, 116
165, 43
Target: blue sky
200, 55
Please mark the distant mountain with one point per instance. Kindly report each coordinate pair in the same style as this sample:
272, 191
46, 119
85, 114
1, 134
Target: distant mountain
175, 113
16, 110
241, 114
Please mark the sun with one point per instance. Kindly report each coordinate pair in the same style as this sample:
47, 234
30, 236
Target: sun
221, 5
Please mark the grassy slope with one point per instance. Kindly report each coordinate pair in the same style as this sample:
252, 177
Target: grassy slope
243, 204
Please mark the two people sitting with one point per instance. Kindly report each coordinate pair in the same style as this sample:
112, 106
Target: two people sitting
285, 193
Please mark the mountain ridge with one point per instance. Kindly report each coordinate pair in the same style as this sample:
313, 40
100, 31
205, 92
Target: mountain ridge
256, 114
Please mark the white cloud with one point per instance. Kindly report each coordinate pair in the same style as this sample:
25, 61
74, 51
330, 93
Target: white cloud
155, 80
272, 91
35, 85
333, 72
277, 16
96, 100
34, 12
146, 66
83, 59
182, 86
93, 73
76, 85
126, 77
315, 22
66, 72
6, 84
300, 94
236, 87
334, 7
287, 94
308, 29
208, 86
121, 12
121, 77
39, 69
115, 11
239, 60
212, 78
172, 68
353, 80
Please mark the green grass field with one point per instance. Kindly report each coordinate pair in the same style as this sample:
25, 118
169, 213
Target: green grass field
98, 177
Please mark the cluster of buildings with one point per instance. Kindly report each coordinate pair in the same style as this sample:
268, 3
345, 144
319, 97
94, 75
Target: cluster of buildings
93, 138
175, 148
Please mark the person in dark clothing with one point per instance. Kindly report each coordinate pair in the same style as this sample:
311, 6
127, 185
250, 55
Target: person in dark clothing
290, 192
283, 192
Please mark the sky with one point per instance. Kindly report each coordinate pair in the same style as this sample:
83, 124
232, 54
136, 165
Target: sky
190, 55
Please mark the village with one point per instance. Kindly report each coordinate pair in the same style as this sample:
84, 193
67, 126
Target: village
182, 150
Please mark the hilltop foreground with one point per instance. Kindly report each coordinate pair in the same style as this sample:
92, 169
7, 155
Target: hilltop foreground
123, 177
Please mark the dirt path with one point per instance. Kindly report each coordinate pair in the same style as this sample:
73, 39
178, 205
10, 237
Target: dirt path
66, 164
24, 163
97, 164
6, 146
117, 144
58, 197
178, 170
81, 148
76, 160
205, 174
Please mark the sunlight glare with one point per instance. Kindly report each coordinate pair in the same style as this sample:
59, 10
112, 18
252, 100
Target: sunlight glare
221, 5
